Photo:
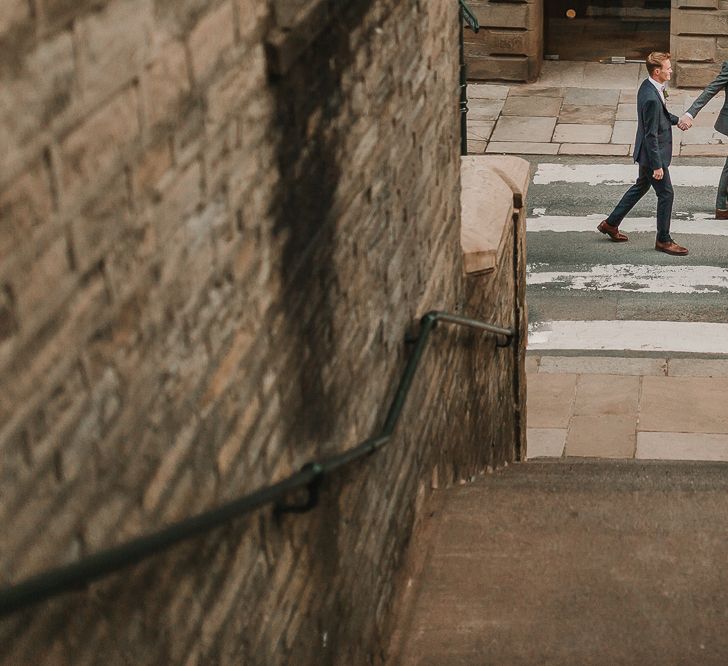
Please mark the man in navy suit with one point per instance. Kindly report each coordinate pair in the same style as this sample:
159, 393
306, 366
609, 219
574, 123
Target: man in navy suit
653, 152
719, 84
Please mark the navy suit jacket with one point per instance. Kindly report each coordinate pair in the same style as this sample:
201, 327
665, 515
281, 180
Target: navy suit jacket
720, 83
653, 144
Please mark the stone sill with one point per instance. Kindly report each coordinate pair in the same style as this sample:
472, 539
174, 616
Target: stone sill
493, 192
298, 24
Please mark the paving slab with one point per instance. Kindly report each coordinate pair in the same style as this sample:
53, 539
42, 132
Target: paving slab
594, 97
535, 90
624, 131
484, 109
532, 364
582, 133
550, 400
716, 150
681, 446
697, 367
480, 129
514, 128
487, 91
626, 111
684, 404
611, 76
522, 148
605, 149
702, 135
602, 436
562, 74
476, 146
628, 96
615, 395
547, 107
545, 442
586, 115
602, 365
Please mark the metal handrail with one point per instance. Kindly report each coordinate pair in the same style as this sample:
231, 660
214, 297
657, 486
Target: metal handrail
467, 17
79, 574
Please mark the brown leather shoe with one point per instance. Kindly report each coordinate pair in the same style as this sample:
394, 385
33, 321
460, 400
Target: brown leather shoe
613, 232
721, 213
671, 247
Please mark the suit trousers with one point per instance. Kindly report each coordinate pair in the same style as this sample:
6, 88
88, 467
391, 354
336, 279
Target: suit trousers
665, 196
721, 200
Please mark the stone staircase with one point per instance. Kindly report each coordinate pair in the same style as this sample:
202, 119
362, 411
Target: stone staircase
573, 562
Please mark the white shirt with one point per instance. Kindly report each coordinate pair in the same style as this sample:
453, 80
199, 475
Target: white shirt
660, 88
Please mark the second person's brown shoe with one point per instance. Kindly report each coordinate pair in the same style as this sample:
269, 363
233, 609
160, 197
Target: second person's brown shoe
721, 213
671, 247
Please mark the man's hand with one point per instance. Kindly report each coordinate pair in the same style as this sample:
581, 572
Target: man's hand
658, 174
685, 123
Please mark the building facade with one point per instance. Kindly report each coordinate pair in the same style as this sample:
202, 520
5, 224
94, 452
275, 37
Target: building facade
516, 37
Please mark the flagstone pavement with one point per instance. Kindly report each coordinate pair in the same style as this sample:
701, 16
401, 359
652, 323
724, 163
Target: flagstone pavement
580, 108
638, 408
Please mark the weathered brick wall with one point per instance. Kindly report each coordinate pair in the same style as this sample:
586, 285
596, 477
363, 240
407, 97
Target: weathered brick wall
509, 44
699, 40
206, 275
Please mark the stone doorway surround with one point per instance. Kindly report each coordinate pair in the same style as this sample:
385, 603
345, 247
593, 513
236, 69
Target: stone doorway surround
509, 46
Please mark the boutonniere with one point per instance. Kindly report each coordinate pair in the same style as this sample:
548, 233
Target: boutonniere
666, 93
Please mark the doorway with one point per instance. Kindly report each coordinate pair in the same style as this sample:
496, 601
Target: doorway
600, 30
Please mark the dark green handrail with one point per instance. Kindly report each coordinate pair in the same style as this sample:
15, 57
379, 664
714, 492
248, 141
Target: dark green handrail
79, 574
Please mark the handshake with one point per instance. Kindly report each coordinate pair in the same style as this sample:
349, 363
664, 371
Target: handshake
686, 122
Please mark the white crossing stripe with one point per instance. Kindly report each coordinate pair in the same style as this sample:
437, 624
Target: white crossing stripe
645, 336
703, 224
634, 278
622, 174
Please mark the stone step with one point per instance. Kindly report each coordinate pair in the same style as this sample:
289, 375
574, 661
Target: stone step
574, 563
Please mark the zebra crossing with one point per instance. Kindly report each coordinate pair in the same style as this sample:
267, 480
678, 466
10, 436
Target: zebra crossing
589, 295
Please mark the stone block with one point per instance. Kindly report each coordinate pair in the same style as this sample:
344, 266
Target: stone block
165, 81
25, 204
594, 149
491, 68
699, 23
96, 148
496, 42
13, 12
45, 285
35, 95
692, 75
487, 208
698, 4
496, 15
211, 38
114, 46
607, 394
693, 49
226, 95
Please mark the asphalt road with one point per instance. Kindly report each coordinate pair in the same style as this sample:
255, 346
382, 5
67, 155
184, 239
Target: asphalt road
578, 274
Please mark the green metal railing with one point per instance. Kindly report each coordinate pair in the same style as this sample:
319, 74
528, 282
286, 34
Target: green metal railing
467, 17
79, 574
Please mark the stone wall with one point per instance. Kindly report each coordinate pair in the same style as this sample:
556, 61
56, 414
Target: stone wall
217, 223
699, 40
509, 45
